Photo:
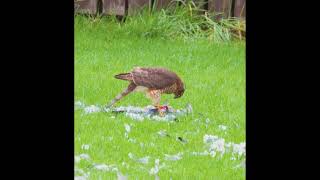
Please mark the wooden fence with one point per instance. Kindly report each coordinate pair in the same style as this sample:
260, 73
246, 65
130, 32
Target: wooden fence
227, 8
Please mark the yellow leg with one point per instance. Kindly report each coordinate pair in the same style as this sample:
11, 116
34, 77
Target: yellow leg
155, 97
161, 114
159, 110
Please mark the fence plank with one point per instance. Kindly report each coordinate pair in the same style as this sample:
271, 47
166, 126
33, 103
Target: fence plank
240, 8
162, 4
136, 5
117, 7
220, 6
85, 6
113, 7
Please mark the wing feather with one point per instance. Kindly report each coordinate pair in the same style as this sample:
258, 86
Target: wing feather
155, 78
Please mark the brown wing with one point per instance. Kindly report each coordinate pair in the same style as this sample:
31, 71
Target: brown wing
155, 78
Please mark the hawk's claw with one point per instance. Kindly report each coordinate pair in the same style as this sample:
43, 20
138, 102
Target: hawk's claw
159, 109
161, 114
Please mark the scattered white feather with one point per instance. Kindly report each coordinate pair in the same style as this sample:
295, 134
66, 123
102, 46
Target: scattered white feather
120, 176
174, 157
189, 108
156, 177
207, 121
166, 118
77, 159
131, 156
85, 146
78, 171
84, 156
80, 178
80, 174
155, 170
106, 109
138, 113
135, 116
104, 167
91, 109
79, 104
218, 145
127, 127
205, 153
209, 138
222, 127
144, 160
162, 133
130, 109
132, 140
126, 165
212, 153
239, 149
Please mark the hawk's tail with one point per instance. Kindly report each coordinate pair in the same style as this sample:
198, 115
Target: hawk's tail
129, 89
124, 76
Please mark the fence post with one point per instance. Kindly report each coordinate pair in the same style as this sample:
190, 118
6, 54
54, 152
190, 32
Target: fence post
221, 7
114, 7
86, 6
240, 8
136, 5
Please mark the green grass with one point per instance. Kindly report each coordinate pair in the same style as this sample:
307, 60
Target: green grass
214, 74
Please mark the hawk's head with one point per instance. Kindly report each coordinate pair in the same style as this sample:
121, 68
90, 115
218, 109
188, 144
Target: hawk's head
180, 90
178, 94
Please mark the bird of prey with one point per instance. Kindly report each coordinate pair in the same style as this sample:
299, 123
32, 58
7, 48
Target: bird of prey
153, 82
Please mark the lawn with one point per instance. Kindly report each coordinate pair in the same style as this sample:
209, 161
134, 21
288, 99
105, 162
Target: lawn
214, 74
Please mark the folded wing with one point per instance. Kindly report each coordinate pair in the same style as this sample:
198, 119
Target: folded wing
154, 78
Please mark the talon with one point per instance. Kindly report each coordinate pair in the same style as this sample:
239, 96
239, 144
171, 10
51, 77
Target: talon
159, 109
161, 114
